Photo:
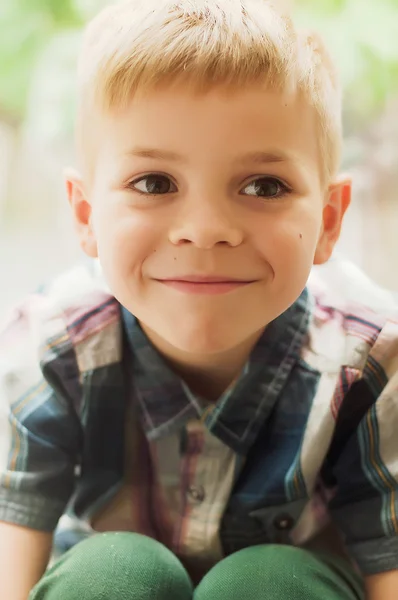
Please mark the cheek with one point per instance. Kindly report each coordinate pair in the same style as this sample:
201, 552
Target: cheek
291, 239
125, 238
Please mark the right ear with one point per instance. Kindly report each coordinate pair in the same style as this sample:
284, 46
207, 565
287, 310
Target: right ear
82, 212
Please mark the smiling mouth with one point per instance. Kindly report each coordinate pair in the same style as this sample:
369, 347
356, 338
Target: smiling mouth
205, 285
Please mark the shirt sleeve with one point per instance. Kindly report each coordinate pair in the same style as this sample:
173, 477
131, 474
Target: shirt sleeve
365, 504
40, 432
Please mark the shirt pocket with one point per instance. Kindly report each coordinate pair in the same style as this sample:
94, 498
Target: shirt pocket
267, 525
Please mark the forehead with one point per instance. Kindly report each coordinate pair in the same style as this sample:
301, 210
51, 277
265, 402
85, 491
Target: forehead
220, 124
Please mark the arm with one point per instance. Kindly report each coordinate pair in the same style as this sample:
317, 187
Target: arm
32, 549
365, 503
383, 586
39, 445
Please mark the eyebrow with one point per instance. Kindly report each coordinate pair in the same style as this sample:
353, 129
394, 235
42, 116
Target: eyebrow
272, 156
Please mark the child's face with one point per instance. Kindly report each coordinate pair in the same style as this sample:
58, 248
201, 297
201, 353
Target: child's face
227, 243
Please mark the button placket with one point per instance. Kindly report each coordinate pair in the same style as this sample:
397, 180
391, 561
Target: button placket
208, 470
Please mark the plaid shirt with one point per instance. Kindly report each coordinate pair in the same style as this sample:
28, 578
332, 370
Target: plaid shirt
98, 434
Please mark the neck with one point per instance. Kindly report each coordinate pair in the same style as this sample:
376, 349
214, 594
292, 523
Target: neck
207, 375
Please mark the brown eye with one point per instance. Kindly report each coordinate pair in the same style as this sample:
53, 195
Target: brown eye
266, 187
153, 185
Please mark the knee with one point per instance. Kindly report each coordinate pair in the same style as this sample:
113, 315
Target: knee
249, 573
271, 572
116, 565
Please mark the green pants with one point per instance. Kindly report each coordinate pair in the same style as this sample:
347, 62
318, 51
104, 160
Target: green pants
128, 566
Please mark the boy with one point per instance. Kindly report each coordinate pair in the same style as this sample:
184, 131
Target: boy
192, 428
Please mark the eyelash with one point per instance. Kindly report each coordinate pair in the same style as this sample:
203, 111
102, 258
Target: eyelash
285, 189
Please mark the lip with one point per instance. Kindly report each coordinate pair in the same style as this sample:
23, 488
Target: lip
208, 285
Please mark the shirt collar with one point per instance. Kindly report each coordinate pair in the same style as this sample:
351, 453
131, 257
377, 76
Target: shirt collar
166, 404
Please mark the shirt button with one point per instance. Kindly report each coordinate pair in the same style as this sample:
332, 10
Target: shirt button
284, 522
196, 493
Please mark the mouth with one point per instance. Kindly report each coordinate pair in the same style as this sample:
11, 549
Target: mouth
209, 285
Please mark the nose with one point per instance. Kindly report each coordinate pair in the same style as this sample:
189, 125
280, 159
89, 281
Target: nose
206, 223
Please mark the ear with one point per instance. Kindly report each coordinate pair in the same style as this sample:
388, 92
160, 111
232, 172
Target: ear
82, 212
337, 201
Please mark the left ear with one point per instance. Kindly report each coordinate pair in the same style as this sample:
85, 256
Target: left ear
337, 201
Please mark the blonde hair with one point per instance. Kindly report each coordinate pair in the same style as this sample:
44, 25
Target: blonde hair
135, 45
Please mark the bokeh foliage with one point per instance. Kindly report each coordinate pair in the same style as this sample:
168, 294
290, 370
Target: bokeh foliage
362, 34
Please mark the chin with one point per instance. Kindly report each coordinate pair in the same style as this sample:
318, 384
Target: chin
203, 341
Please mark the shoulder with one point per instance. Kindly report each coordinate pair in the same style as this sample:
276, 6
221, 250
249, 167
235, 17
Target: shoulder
72, 322
354, 321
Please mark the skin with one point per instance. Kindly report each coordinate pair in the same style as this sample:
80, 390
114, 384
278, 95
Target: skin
219, 213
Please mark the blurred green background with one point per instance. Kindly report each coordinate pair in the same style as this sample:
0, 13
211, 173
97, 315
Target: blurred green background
39, 42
